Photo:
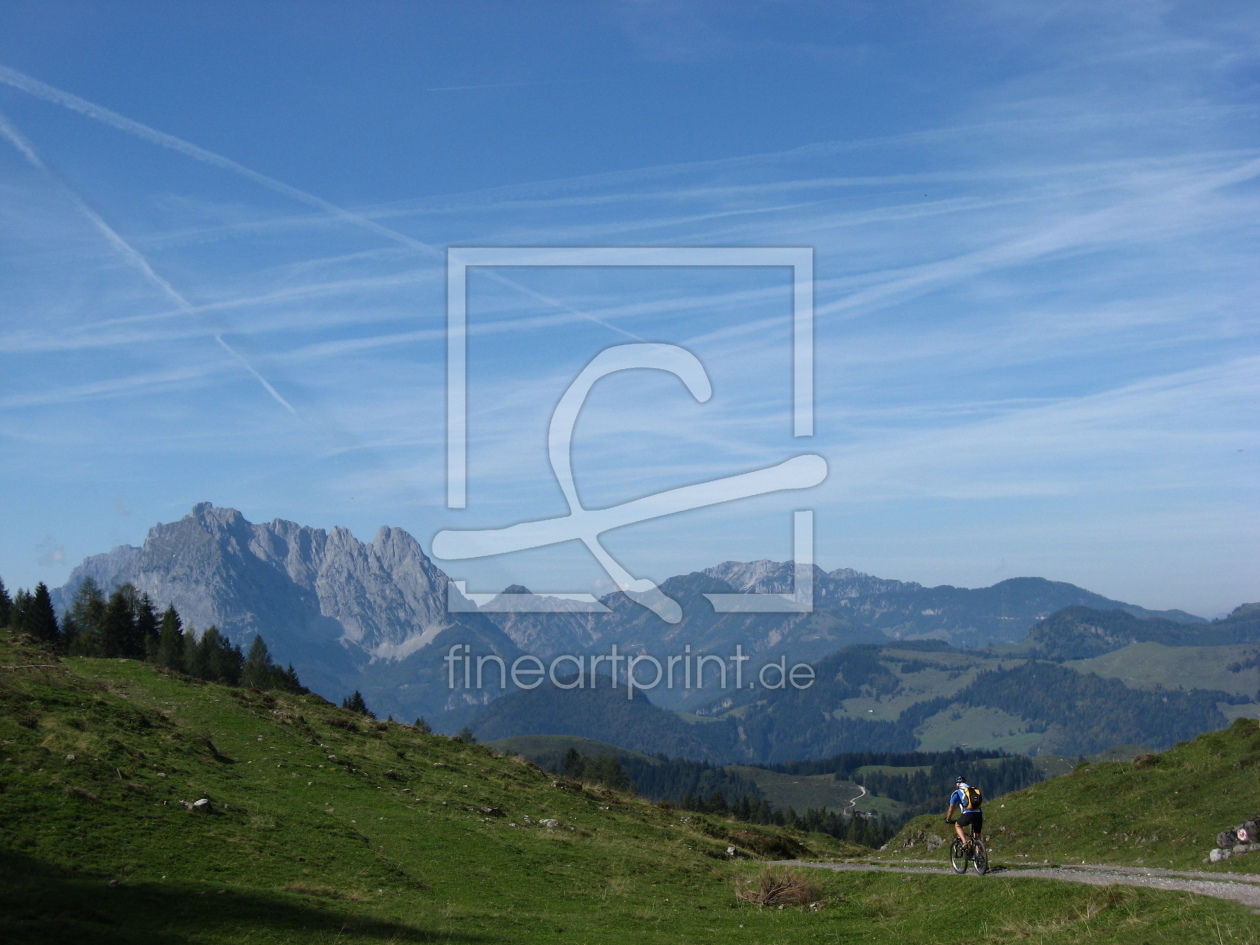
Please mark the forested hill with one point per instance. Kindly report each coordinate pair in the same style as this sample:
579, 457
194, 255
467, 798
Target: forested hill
606, 714
1083, 632
1041, 703
1072, 712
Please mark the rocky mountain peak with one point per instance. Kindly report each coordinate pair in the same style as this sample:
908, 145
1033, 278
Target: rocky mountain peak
385, 599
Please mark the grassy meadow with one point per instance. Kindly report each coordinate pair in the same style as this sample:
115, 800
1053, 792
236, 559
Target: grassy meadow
324, 826
1161, 810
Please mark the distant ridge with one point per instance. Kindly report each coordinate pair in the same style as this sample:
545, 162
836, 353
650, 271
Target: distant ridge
1084, 632
373, 615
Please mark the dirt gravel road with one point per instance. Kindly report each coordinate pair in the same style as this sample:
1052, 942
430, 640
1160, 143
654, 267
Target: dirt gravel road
1240, 887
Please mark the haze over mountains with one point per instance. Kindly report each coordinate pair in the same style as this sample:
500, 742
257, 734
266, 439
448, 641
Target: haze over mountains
372, 616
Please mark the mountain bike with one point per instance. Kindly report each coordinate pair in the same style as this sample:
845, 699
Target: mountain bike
972, 851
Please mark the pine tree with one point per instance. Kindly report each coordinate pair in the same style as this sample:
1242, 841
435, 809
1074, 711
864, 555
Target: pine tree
69, 632
119, 637
221, 659
170, 653
147, 627
354, 702
259, 671
6, 605
422, 726
40, 620
17, 615
193, 661
607, 770
289, 681
85, 619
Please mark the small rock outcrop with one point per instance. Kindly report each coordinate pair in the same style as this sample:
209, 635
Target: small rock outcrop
1244, 838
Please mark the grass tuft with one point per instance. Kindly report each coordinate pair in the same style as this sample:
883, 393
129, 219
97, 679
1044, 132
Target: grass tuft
777, 886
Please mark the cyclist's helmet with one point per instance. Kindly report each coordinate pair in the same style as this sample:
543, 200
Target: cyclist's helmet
960, 780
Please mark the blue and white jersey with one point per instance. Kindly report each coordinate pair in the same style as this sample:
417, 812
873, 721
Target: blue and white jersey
959, 798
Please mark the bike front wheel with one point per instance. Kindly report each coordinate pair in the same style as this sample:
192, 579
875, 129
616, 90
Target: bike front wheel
981, 858
958, 856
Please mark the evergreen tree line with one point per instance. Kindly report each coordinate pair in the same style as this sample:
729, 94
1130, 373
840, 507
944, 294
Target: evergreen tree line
1091, 713
926, 778
866, 831
704, 788
926, 788
659, 778
605, 770
126, 625
672, 778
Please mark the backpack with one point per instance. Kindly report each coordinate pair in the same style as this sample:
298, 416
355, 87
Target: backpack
974, 798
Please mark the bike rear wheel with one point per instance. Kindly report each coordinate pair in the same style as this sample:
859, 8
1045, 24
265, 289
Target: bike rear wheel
958, 856
981, 858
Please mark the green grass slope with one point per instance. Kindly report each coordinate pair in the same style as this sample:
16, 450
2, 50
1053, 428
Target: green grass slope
1160, 810
1146, 665
324, 818
549, 750
324, 827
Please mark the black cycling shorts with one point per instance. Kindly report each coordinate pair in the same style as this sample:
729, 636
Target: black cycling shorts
972, 818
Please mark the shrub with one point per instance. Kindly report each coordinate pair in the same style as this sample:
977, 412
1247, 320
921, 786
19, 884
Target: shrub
781, 886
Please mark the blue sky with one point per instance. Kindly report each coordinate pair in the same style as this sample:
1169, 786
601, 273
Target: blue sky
223, 231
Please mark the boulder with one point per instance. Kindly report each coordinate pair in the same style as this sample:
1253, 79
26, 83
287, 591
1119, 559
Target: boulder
1247, 832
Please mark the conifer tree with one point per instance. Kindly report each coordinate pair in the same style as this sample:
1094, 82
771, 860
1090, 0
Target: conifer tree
85, 617
119, 636
69, 632
354, 702
221, 659
289, 681
40, 620
21, 604
147, 627
259, 671
6, 605
170, 654
193, 662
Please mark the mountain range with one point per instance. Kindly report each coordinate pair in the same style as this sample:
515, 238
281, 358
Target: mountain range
373, 616
1143, 682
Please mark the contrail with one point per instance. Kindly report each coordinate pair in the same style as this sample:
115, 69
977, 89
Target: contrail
96, 112
133, 256
491, 85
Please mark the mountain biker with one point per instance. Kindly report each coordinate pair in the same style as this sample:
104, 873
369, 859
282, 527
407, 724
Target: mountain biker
970, 816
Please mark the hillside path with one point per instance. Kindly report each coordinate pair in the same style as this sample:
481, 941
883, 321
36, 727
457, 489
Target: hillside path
1240, 887
853, 803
